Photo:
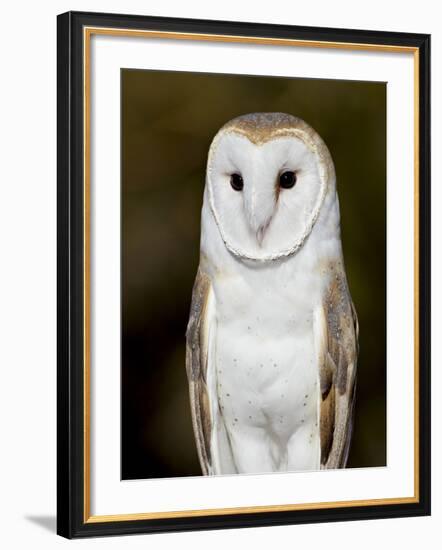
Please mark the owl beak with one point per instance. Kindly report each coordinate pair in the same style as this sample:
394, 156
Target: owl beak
259, 208
260, 233
259, 224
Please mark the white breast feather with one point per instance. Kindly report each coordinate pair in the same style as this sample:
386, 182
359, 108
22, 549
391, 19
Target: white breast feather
263, 371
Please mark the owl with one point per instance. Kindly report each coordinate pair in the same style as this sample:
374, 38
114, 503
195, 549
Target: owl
272, 338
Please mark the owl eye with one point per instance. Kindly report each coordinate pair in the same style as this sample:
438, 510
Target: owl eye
287, 180
236, 182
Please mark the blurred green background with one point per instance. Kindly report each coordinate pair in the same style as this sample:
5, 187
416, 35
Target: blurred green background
168, 122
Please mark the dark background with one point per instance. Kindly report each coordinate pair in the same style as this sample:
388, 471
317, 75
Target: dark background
168, 122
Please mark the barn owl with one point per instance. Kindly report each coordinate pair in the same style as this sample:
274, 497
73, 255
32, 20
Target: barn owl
272, 339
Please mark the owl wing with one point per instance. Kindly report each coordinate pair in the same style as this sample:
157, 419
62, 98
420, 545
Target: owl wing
198, 337
338, 351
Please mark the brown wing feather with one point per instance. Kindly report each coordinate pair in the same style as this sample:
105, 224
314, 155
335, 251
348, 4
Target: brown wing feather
338, 371
196, 366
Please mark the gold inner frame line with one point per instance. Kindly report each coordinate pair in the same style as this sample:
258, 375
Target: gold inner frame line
87, 34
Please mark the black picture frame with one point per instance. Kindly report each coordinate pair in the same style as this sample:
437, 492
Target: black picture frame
71, 518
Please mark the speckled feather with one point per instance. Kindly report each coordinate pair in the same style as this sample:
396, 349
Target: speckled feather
338, 371
196, 363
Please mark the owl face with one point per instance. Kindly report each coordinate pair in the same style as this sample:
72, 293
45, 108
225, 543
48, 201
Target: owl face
265, 194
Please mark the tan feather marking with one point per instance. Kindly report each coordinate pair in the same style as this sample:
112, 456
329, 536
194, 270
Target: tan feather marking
196, 366
199, 300
197, 426
327, 423
337, 373
206, 420
326, 374
340, 328
259, 128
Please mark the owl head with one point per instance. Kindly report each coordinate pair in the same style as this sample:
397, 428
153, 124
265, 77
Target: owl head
267, 177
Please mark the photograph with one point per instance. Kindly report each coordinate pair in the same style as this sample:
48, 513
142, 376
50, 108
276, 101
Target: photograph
253, 263
243, 274
220, 231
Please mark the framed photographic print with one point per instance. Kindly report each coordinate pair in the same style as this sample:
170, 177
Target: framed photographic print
243, 274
